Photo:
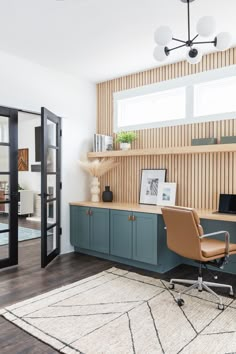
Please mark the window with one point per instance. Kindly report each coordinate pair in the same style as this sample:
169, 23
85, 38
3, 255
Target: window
150, 108
195, 98
215, 97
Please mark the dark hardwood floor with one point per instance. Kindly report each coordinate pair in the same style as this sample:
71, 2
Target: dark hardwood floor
28, 279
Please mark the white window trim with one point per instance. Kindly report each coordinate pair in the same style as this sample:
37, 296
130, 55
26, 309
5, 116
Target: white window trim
187, 81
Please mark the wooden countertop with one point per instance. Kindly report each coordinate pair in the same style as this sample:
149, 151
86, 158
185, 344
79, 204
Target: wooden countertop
154, 209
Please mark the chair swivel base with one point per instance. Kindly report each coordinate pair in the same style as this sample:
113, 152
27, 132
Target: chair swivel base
200, 285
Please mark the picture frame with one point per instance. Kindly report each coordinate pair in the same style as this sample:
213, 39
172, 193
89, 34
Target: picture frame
150, 179
23, 160
166, 194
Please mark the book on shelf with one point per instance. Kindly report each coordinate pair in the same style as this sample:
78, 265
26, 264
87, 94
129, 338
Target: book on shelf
102, 143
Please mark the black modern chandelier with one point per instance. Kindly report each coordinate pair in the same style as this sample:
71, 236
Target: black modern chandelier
205, 28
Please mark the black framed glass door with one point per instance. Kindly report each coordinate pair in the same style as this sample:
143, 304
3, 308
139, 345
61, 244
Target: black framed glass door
8, 187
50, 186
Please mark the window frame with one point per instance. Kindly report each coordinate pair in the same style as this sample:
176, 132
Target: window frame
186, 81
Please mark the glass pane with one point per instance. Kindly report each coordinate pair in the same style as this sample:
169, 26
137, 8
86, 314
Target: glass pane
51, 240
51, 183
51, 160
52, 130
4, 159
51, 213
4, 129
4, 245
4, 214
215, 97
153, 107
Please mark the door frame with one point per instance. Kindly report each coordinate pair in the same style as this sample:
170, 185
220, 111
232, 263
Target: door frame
12, 258
47, 115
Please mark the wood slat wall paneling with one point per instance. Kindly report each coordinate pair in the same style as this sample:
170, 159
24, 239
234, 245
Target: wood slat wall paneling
200, 178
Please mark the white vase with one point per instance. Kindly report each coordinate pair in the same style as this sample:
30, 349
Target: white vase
95, 190
125, 146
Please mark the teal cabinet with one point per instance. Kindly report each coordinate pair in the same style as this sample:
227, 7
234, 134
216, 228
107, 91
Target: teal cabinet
89, 228
79, 226
121, 233
99, 230
145, 237
134, 236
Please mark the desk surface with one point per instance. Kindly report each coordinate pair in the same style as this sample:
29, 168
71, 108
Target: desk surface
154, 209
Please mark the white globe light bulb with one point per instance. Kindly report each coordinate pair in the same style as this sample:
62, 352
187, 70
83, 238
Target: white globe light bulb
223, 41
163, 35
194, 56
206, 26
159, 53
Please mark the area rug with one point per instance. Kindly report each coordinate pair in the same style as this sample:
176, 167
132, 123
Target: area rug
24, 233
121, 312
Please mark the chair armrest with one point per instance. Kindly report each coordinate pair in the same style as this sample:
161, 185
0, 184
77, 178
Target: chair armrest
227, 239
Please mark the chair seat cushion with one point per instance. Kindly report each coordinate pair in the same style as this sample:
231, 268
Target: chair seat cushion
213, 247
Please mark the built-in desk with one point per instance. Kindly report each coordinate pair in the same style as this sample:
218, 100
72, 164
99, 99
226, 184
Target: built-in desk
134, 234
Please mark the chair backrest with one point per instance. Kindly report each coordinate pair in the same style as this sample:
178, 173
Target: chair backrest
183, 231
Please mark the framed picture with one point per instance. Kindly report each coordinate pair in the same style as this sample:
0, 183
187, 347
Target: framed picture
150, 180
23, 160
166, 194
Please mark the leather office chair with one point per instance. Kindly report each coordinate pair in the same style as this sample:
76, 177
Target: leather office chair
185, 237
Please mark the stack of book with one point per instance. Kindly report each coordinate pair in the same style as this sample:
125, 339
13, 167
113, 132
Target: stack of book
102, 143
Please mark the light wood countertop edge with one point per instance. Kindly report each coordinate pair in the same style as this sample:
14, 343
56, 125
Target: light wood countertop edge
153, 209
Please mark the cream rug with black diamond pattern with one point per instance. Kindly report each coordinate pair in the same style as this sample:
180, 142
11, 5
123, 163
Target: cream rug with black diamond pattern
117, 311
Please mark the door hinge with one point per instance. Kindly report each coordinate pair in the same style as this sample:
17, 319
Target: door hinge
60, 231
60, 185
60, 132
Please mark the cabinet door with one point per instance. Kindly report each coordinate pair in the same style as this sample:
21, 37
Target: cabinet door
145, 238
79, 226
121, 234
99, 230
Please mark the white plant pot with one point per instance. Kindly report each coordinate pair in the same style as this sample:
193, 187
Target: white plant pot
95, 190
125, 146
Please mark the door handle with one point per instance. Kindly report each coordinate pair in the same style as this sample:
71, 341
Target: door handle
133, 218
87, 212
90, 213
130, 217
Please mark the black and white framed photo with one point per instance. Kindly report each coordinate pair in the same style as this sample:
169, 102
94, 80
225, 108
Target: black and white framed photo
150, 180
166, 194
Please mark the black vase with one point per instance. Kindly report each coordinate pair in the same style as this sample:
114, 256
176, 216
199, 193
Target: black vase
107, 195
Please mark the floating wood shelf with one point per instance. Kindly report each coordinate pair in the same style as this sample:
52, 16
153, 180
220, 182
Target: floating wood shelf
200, 149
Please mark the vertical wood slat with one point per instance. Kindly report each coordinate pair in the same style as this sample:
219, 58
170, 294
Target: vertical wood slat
200, 179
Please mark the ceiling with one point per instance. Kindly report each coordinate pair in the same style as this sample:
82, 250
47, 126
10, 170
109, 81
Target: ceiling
101, 39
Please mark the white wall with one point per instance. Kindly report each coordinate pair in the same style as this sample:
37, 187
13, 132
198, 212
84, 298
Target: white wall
29, 86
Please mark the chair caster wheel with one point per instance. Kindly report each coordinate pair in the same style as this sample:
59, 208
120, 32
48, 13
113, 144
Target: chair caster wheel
180, 302
231, 294
200, 290
221, 307
171, 286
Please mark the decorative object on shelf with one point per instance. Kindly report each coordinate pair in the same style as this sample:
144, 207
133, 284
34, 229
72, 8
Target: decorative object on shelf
96, 169
228, 140
125, 139
205, 27
23, 160
149, 189
107, 195
204, 141
166, 194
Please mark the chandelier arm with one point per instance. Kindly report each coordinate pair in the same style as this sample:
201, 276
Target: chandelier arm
213, 42
179, 46
178, 40
194, 37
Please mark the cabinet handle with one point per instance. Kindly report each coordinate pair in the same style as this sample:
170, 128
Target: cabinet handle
90, 213
87, 212
133, 218
130, 217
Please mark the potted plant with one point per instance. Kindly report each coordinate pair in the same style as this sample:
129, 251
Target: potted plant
125, 139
